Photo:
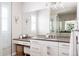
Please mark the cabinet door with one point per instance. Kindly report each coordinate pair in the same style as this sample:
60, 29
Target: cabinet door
43, 49
38, 48
35, 48
63, 52
35, 51
63, 49
52, 49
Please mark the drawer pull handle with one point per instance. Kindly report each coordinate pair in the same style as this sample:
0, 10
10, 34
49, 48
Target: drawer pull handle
48, 53
65, 45
48, 47
65, 53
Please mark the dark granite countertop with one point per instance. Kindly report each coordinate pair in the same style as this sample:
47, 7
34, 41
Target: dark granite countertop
64, 40
26, 40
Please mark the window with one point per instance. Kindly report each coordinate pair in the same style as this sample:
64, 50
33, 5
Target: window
69, 25
4, 17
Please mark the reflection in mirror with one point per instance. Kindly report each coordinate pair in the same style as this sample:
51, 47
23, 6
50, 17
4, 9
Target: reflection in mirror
66, 22
62, 23
33, 23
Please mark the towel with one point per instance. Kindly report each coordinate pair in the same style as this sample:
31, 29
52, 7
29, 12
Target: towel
73, 43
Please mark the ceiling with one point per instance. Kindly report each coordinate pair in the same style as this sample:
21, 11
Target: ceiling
63, 7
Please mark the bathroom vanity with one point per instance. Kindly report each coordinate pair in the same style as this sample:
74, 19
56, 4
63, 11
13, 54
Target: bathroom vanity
49, 47
42, 47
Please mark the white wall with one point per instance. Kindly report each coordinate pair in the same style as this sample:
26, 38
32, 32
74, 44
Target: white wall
16, 12
26, 27
16, 27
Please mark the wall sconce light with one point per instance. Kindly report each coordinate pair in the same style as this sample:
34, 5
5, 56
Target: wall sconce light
16, 19
26, 21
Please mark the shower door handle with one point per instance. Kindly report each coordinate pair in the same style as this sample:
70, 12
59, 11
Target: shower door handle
77, 45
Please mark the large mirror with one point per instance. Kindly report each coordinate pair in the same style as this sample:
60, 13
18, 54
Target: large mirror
62, 21
50, 20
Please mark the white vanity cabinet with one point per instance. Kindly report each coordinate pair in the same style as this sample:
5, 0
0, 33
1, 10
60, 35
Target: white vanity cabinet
48, 48
43, 48
63, 49
57, 49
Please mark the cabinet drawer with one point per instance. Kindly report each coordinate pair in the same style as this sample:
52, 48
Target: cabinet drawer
55, 44
36, 43
26, 43
35, 54
35, 49
64, 45
17, 42
21, 42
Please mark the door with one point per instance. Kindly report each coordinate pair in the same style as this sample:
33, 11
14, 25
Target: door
5, 28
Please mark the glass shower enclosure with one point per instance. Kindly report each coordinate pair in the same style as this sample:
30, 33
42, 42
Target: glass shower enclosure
5, 28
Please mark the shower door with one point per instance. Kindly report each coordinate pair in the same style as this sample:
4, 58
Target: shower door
5, 28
